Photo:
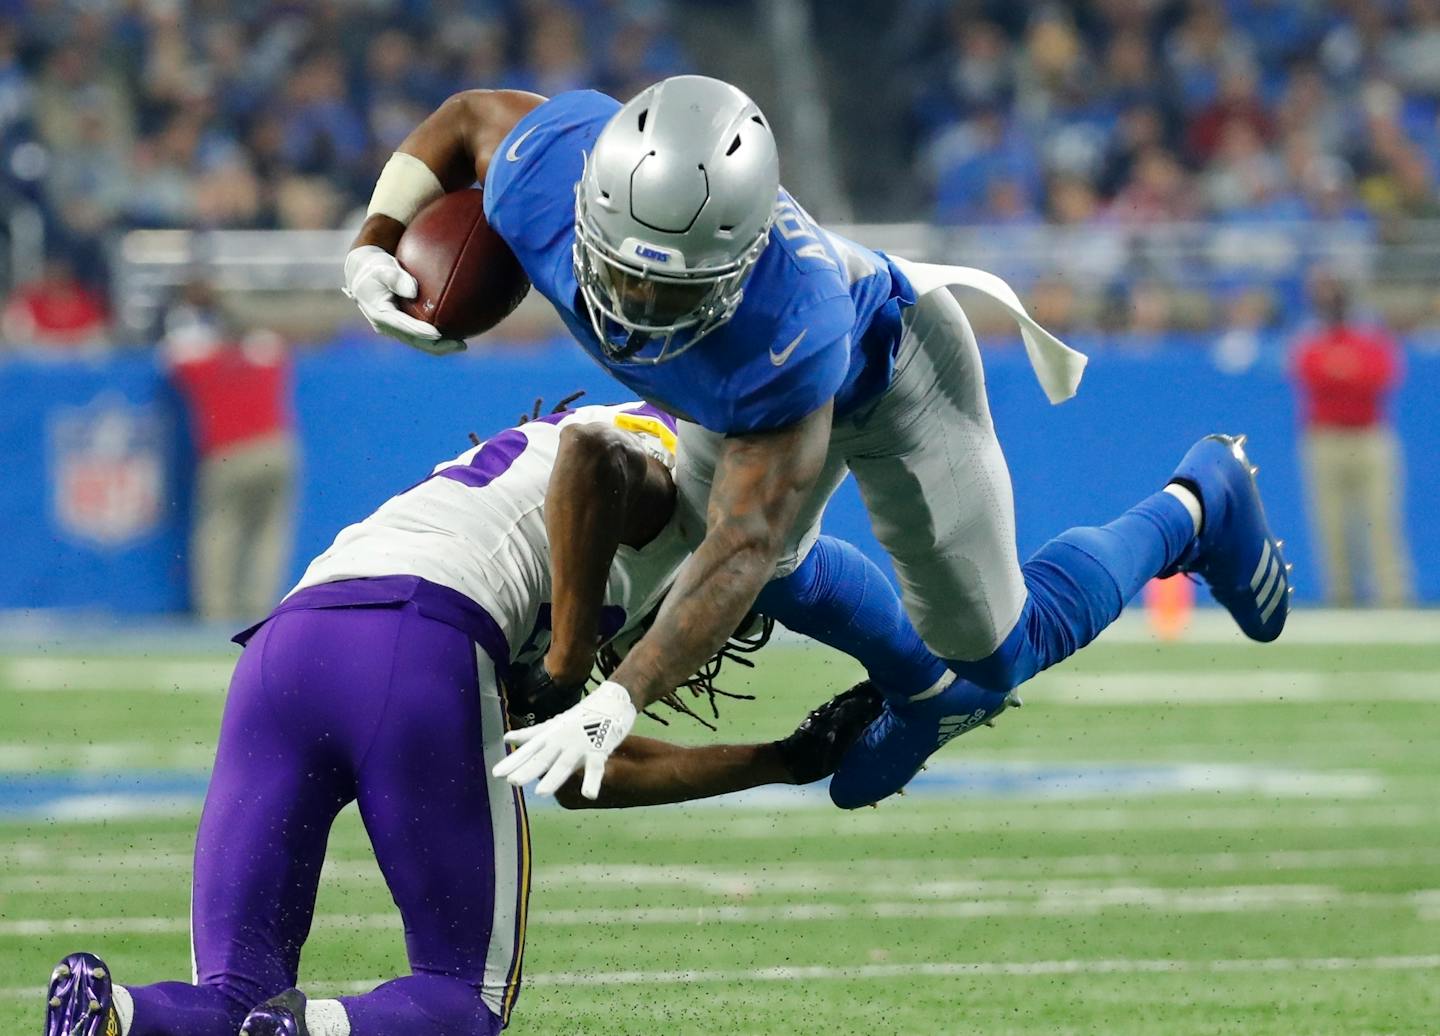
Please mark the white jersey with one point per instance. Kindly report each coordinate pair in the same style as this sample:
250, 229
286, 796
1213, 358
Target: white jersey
477, 525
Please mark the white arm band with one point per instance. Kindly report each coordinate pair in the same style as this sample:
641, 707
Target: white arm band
406, 186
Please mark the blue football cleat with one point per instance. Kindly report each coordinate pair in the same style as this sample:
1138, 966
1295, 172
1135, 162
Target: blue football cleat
80, 999
895, 745
281, 1015
1235, 554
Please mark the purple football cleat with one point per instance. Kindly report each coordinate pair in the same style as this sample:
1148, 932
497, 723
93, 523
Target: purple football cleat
281, 1015
1235, 554
80, 1001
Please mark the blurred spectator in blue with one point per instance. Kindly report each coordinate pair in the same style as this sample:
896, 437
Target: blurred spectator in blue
972, 155
555, 57
16, 94
227, 65
974, 73
323, 133
1279, 30
1351, 49
1056, 100
639, 51
1412, 57
399, 88
88, 182
475, 53
1131, 79
1201, 46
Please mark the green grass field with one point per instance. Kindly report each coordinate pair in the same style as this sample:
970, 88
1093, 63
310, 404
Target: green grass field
1209, 837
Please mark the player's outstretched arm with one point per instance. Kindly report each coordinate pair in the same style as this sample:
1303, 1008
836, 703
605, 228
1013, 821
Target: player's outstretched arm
647, 772
760, 483
449, 151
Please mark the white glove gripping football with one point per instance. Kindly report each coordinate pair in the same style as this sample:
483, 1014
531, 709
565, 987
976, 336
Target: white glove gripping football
373, 278
587, 732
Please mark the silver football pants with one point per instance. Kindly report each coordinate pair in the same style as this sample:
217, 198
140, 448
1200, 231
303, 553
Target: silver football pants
933, 479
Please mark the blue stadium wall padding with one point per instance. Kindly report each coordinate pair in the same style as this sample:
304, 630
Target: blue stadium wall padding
85, 441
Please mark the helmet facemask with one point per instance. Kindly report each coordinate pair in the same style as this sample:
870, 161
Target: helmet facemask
627, 296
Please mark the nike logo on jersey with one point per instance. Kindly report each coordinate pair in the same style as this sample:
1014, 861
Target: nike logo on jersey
778, 359
513, 153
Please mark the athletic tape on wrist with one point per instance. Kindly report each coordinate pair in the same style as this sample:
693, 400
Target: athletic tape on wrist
406, 186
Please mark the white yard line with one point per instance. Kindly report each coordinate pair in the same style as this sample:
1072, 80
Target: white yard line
1229, 687
1023, 816
138, 873
924, 879
1029, 816
63, 756
1305, 626
925, 969
59, 673
1047, 902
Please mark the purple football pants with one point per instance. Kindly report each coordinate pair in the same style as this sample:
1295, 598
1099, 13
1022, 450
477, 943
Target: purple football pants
396, 710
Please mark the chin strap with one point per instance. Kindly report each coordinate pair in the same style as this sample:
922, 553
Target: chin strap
1057, 366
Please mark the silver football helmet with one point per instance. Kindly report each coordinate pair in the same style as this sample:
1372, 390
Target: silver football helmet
672, 212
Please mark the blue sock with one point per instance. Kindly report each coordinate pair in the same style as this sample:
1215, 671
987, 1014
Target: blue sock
1078, 583
840, 597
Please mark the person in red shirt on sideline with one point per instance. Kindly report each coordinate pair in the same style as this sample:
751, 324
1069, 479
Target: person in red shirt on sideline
56, 312
236, 388
1345, 374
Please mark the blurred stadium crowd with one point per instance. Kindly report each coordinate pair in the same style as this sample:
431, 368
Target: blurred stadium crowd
1139, 165
1251, 110
1237, 144
202, 113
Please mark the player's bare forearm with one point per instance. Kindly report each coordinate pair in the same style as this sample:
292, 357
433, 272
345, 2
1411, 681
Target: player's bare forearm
604, 490
646, 772
761, 481
457, 142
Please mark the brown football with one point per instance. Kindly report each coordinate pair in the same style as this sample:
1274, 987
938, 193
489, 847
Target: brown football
469, 280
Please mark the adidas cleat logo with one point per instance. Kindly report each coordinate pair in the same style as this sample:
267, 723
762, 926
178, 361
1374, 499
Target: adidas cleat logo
1268, 583
596, 732
952, 727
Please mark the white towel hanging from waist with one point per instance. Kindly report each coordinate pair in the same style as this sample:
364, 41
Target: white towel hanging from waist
1057, 366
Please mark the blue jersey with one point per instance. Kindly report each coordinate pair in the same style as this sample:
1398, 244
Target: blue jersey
820, 318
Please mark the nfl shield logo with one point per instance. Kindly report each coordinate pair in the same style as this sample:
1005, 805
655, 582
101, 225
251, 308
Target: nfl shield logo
107, 470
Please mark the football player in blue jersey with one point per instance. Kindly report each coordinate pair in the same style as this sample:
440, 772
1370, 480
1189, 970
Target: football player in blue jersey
660, 233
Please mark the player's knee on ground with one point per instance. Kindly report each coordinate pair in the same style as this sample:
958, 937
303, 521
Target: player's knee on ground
437, 1005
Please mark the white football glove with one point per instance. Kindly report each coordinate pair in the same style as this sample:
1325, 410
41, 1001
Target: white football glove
373, 278
587, 732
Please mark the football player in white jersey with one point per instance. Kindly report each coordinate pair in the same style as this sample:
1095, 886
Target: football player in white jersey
381, 679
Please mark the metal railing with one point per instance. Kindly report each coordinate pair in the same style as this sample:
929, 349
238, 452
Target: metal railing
298, 273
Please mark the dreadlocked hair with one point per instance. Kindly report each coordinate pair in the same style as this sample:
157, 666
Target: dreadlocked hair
534, 414
754, 633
